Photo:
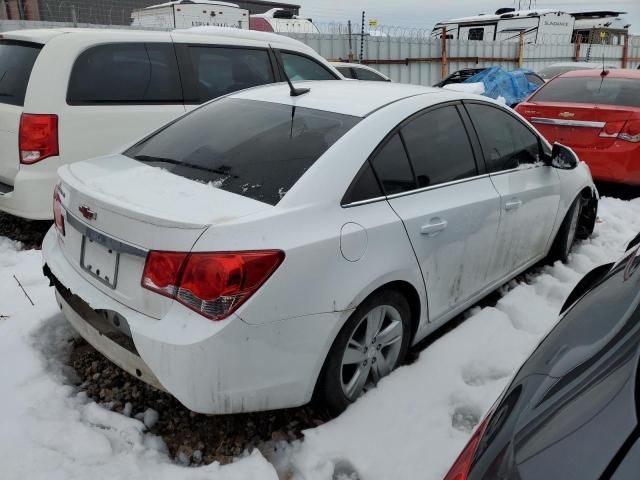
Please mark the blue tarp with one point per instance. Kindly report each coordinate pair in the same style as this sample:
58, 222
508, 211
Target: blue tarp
513, 86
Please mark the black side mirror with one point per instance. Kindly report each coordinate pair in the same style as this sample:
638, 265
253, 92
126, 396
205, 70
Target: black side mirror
563, 157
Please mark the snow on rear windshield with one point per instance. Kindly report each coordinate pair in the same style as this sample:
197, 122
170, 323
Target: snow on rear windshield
254, 149
604, 91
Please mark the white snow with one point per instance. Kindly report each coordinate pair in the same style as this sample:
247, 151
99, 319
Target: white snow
412, 426
476, 87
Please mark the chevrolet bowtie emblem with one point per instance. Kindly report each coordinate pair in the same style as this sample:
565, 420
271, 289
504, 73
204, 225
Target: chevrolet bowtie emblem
87, 212
566, 114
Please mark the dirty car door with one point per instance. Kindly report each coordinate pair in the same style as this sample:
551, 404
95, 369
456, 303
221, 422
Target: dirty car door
452, 215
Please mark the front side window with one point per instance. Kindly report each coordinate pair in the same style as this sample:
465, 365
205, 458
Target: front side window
251, 148
299, 68
439, 148
219, 70
121, 73
506, 142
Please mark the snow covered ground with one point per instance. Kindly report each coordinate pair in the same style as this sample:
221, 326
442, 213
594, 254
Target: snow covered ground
412, 426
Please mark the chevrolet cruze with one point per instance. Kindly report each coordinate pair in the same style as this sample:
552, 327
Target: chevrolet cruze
273, 243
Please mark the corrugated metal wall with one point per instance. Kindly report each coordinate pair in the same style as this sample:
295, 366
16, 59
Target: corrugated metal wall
421, 56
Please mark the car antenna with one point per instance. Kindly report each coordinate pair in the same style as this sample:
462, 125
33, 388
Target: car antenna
294, 92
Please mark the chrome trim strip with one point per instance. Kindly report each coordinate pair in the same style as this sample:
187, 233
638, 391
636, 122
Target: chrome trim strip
568, 123
435, 187
363, 202
103, 239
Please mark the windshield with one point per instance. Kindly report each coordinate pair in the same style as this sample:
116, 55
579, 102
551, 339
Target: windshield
254, 149
593, 90
550, 72
16, 62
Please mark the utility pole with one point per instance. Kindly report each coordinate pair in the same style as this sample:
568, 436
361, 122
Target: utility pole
350, 45
362, 38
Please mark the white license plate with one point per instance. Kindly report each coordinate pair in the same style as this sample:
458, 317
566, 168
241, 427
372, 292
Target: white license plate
99, 261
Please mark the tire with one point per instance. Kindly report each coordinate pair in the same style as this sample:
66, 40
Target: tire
567, 234
359, 357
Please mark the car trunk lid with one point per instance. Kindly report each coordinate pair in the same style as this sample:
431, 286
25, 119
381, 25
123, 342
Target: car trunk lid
578, 125
117, 209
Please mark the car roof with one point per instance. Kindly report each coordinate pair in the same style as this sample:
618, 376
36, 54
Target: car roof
348, 98
595, 72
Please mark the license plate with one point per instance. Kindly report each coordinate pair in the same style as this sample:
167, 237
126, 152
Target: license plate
99, 261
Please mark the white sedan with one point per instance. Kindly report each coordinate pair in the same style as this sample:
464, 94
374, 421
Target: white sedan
267, 246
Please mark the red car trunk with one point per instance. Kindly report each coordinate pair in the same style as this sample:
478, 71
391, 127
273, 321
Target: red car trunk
596, 115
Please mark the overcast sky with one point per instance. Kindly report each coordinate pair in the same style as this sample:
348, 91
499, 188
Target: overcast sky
425, 13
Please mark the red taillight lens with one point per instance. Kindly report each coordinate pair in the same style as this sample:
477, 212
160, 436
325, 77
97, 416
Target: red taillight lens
57, 211
260, 24
461, 467
212, 284
631, 132
38, 137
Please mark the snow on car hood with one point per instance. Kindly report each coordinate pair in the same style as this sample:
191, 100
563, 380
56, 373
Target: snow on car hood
155, 195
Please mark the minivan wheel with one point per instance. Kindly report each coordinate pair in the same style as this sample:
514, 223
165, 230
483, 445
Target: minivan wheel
567, 234
373, 342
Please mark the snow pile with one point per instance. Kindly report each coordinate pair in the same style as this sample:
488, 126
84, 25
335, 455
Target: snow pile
476, 87
412, 426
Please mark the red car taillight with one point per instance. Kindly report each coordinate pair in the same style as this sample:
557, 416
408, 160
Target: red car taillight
212, 284
57, 211
462, 465
630, 132
38, 137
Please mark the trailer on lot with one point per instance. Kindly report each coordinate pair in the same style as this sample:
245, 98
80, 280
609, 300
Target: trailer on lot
191, 13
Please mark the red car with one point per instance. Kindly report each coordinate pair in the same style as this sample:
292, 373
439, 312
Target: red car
597, 114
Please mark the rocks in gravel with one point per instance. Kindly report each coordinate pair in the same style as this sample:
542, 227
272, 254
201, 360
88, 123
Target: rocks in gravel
191, 438
29, 232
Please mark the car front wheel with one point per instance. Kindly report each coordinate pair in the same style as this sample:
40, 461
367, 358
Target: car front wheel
371, 344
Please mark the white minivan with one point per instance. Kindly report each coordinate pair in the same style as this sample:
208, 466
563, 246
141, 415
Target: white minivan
71, 94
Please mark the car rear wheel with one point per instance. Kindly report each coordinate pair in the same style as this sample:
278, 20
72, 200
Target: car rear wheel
371, 344
567, 234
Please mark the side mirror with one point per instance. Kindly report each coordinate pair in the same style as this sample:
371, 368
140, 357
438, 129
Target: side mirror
563, 157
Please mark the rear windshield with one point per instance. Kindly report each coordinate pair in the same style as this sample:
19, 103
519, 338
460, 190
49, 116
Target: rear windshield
254, 149
16, 63
550, 72
607, 91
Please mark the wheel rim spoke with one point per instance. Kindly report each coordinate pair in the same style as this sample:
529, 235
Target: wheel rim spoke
382, 366
374, 323
358, 381
391, 334
354, 353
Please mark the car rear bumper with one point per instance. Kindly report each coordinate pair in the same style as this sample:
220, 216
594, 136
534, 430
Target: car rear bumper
31, 194
228, 366
620, 163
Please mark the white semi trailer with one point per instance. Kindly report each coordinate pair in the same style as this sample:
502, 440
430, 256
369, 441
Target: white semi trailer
191, 13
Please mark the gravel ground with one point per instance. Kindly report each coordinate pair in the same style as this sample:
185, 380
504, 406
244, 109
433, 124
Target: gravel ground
29, 232
191, 438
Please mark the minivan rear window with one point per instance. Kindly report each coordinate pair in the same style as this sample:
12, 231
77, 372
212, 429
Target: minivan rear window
16, 62
593, 90
251, 148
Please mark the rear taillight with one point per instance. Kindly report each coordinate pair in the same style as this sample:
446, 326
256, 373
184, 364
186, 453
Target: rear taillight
38, 137
57, 211
212, 284
630, 132
461, 467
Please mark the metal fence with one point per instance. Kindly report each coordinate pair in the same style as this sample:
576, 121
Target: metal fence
414, 56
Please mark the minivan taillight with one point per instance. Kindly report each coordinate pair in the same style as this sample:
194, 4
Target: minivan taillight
212, 284
462, 465
38, 137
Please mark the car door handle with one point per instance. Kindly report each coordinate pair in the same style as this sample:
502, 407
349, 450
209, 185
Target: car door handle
435, 226
513, 204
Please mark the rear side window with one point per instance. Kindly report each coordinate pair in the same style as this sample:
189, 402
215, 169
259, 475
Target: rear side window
607, 91
299, 67
16, 62
364, 74
392, 167
254, 149
506, 142
439, 148
125, 73
220, 70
